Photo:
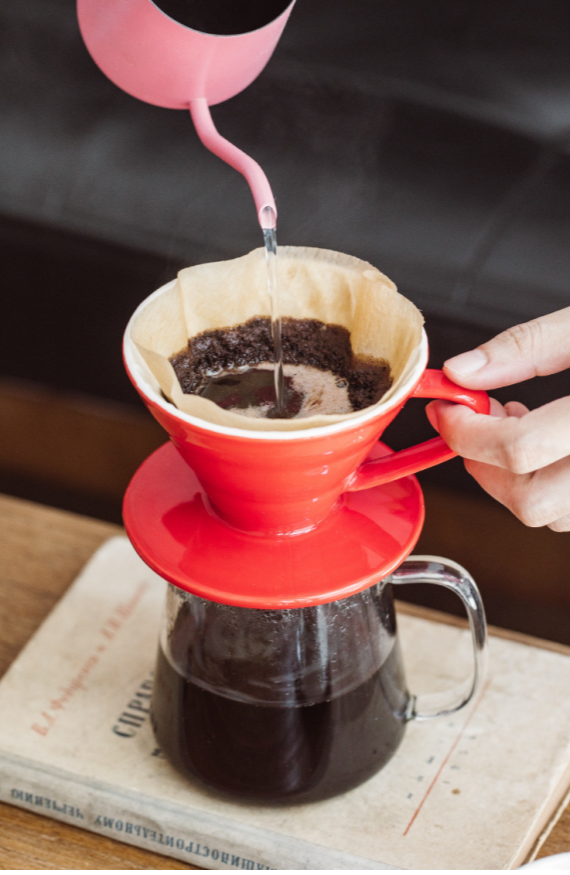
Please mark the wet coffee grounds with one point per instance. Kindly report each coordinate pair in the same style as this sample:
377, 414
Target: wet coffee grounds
309, 342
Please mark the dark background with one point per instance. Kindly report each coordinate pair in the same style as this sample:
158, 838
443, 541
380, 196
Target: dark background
430, 139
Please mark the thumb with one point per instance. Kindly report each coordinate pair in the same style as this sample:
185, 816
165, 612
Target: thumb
535, 348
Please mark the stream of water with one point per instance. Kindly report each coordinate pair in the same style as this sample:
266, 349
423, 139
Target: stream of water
270, 238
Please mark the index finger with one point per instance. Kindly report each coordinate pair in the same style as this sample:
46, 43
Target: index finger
519, 444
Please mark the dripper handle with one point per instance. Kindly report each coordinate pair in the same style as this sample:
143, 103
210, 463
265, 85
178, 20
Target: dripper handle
434, 569
433, 384
244, 164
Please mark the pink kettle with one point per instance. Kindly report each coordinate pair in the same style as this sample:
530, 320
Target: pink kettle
157, 58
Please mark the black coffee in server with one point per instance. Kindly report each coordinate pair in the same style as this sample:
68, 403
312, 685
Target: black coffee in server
281, 706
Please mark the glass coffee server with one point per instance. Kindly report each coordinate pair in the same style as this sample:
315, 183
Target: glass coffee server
301, 704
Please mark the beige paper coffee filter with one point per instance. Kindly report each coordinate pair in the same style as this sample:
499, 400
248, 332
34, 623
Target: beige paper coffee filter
313, 284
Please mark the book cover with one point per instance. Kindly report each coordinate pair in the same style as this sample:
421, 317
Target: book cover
472, 791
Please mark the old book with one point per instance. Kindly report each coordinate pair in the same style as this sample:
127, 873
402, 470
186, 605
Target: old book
470, 792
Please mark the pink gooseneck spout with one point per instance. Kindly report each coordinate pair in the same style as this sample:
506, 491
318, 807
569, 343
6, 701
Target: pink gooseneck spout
256, 178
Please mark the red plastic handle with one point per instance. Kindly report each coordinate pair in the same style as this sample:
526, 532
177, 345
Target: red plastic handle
433, 384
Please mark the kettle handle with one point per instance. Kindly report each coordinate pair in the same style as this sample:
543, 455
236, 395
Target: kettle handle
433, 384
434, 569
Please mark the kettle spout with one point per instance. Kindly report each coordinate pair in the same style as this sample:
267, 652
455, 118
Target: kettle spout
256, 178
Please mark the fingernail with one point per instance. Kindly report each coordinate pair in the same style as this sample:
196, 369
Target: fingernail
432, 416
468, 362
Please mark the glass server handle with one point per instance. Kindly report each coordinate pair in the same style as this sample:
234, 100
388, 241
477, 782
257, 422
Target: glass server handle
434, 569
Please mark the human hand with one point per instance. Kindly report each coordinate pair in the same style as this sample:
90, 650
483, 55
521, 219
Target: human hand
520, 457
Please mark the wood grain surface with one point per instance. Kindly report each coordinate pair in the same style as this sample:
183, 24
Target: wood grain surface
42, 550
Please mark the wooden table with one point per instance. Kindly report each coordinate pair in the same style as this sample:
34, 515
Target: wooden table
41, 552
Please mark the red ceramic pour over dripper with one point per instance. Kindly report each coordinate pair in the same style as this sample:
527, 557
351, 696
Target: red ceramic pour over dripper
266, 519
161, 61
